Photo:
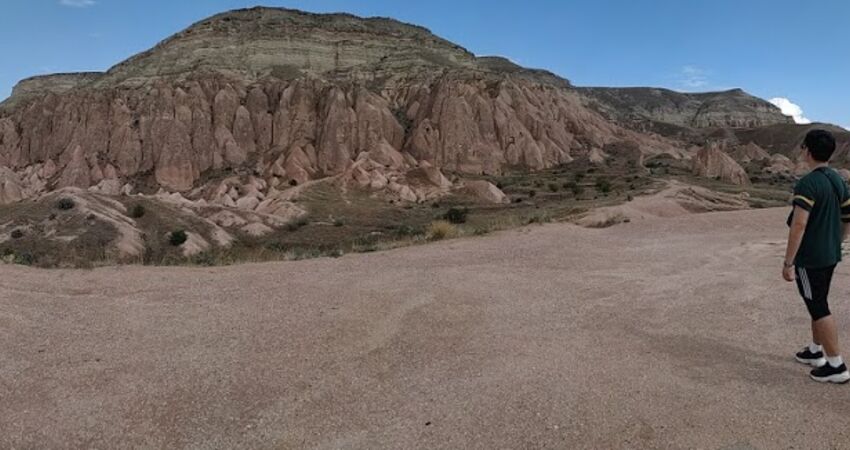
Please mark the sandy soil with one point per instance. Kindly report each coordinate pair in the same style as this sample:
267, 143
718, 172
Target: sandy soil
668, 333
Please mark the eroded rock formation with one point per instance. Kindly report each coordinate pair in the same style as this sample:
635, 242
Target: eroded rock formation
712, 162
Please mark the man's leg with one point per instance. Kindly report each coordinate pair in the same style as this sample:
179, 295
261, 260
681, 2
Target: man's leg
826, 334
816, 283
816, 339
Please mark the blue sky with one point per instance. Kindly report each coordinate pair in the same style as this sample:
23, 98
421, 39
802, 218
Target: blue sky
772, 48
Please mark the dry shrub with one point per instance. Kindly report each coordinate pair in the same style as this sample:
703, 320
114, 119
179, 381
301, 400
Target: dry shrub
441, 229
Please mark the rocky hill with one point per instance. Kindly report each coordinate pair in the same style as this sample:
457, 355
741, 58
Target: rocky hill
678, 114
232, 120
255, 43
291, 97
56, 84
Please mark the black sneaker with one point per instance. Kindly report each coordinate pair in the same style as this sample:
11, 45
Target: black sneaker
811, 359
829, 374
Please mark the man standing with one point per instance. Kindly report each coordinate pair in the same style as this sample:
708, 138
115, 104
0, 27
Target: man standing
819, 223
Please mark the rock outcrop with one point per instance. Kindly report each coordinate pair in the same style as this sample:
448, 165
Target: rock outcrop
712, 162
56, 83
486, 191
729, 109
288, 98
292, 97
749, 152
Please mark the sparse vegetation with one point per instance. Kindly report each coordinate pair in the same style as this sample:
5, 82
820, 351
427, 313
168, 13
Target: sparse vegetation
405, 231
481, 231
297, 224
276, 247
137, 211
539, 218
441, 229
456, 215
603, 185
65, 204
206, 259
574, 187
359, 221
24, 259
177, 238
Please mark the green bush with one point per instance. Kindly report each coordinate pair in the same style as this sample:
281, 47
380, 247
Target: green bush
339, 222
406, 231
24, 259
206, 259
532, 193
17, 233
137, 211
603, 185
481, 231
538, 218
554, 187
65, 204
456, 215
574, 187
279, 247
297, 224
178, 238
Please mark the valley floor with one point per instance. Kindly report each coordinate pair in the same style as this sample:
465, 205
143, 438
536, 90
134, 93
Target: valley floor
660, 333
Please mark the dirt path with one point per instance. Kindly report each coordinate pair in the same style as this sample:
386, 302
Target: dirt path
668, 333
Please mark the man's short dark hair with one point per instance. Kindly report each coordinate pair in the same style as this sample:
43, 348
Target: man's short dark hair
821, 144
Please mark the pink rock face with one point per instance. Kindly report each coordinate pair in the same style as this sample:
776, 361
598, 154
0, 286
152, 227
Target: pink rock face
77, 172
174, 132
486, 191
712, 162
749, 152
10, 186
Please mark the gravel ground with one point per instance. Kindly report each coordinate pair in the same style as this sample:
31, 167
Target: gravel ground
674, 333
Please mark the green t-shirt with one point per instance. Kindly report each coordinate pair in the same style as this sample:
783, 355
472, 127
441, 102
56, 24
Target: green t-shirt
823, 193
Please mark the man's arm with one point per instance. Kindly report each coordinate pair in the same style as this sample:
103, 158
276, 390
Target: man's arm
795, 238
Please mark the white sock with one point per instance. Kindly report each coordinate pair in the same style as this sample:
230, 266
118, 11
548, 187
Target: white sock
835, 361
814, 348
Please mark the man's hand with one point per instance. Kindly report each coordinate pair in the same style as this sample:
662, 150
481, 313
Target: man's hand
788, 273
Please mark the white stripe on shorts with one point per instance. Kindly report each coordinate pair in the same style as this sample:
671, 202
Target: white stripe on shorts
807, 287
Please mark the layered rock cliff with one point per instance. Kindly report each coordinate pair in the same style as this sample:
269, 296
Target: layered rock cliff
289, 97
653, 108
276, 98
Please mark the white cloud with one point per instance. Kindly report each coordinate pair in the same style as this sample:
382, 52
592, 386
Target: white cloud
692, 77
78, 3
790, 109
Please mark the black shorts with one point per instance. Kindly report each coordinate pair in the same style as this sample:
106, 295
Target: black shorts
814, 287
